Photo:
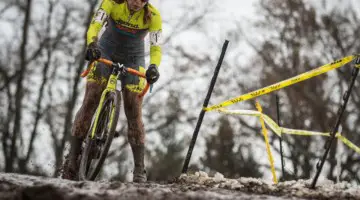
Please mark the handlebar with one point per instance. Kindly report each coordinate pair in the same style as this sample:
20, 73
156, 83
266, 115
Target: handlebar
111, 63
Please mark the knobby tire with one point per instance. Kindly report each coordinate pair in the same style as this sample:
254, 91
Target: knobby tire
111, 106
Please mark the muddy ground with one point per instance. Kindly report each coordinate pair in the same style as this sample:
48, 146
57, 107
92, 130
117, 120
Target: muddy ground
196, 186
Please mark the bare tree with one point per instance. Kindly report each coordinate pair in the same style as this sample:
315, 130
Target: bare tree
10, 136
54, 35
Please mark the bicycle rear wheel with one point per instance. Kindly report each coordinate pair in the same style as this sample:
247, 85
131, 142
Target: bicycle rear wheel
96, 149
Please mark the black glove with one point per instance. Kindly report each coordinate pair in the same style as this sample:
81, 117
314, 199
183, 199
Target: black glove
152, 74
92, 52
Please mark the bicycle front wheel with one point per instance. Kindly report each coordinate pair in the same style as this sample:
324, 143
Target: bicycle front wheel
97, 147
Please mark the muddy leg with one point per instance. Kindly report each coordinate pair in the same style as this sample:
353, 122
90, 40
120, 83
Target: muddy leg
136, 133
81, 125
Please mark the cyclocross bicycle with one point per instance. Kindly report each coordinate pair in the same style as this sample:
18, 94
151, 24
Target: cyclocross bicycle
103, 123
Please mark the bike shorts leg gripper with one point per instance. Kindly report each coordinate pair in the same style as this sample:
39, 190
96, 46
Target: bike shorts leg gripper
99, 74
133, 82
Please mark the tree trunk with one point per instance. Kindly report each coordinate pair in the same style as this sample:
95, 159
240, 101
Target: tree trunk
19, 89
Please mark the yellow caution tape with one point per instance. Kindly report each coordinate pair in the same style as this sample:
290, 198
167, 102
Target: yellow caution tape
264, 130
281, 130
348, 143
303, 132
285, 83
271, 123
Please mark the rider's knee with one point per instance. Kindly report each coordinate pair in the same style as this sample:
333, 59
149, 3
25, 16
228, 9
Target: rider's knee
133, 113
132, 104
78, 130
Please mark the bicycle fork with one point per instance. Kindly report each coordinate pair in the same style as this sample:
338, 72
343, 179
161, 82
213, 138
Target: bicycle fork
111, 86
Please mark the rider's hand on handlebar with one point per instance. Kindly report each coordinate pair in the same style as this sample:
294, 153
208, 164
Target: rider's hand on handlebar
152, 74
92, 52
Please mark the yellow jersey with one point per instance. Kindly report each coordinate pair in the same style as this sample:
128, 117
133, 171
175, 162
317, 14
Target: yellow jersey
130, 25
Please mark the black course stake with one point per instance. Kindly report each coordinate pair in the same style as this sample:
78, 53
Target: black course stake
202, 113
328, 143
280, 137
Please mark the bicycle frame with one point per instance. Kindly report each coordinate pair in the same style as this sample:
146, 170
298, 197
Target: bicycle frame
111, 87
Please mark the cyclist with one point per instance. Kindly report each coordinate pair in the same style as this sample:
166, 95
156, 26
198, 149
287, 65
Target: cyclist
127, 23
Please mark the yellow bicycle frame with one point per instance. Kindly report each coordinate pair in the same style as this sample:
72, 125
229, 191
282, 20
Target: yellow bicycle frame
111, 87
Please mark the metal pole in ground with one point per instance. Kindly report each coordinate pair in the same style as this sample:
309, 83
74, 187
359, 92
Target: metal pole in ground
280, 137
328, 143
202, 113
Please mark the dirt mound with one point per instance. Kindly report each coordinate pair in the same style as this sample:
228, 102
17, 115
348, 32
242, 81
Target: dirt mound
300, 188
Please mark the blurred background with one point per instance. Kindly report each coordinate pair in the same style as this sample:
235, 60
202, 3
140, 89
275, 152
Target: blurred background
42, 55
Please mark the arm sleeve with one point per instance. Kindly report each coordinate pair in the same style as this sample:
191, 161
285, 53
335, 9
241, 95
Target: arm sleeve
98, 20
155, 31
